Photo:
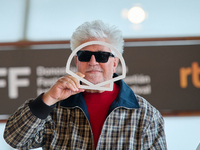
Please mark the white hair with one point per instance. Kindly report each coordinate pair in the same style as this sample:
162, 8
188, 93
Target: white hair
97, 30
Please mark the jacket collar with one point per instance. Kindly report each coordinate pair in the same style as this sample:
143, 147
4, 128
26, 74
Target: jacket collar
126, 98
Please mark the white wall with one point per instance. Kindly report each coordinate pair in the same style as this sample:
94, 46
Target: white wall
56, 20
182, 133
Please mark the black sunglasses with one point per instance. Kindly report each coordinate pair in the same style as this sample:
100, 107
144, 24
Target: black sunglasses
101, 57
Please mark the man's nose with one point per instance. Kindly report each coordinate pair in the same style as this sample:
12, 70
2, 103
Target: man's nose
93, 60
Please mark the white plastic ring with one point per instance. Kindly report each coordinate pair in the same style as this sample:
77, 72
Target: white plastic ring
98, 86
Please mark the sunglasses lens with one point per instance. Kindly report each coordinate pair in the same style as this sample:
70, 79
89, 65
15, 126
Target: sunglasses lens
101, 57
84, 56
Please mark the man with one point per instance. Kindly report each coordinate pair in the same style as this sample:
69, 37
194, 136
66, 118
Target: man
68, 117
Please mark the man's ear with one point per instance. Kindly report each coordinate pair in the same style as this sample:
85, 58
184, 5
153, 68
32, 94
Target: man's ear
116, 61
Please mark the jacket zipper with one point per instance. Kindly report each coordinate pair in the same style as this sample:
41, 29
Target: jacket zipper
90, 127
106, 121
88, 123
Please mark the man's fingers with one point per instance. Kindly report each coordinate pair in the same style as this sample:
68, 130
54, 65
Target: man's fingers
70, 83
77, 82
63, 88
80, 74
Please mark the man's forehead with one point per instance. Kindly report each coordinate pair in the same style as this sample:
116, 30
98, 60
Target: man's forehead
96, 47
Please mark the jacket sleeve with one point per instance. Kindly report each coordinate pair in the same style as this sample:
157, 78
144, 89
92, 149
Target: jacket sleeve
154, 137
25, 128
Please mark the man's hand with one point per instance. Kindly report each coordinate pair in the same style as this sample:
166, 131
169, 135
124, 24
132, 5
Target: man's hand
62, 89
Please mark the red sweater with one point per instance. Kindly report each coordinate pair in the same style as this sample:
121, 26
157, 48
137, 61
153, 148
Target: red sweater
98, 105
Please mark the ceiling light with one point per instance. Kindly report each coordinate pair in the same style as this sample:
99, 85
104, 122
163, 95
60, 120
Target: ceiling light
136, 15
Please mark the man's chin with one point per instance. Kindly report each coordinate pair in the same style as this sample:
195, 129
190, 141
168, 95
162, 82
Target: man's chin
94, 80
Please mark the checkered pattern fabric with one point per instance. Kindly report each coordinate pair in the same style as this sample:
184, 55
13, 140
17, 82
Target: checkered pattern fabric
125, 128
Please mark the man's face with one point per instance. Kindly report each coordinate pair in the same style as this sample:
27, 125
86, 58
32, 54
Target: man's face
94, 71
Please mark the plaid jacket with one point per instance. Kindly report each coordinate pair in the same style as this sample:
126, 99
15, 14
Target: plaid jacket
131, 124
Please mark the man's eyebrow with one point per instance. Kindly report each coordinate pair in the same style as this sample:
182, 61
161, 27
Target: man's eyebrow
94, 51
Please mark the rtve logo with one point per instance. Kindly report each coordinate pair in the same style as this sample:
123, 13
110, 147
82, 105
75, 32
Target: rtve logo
194, 71
14, 82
